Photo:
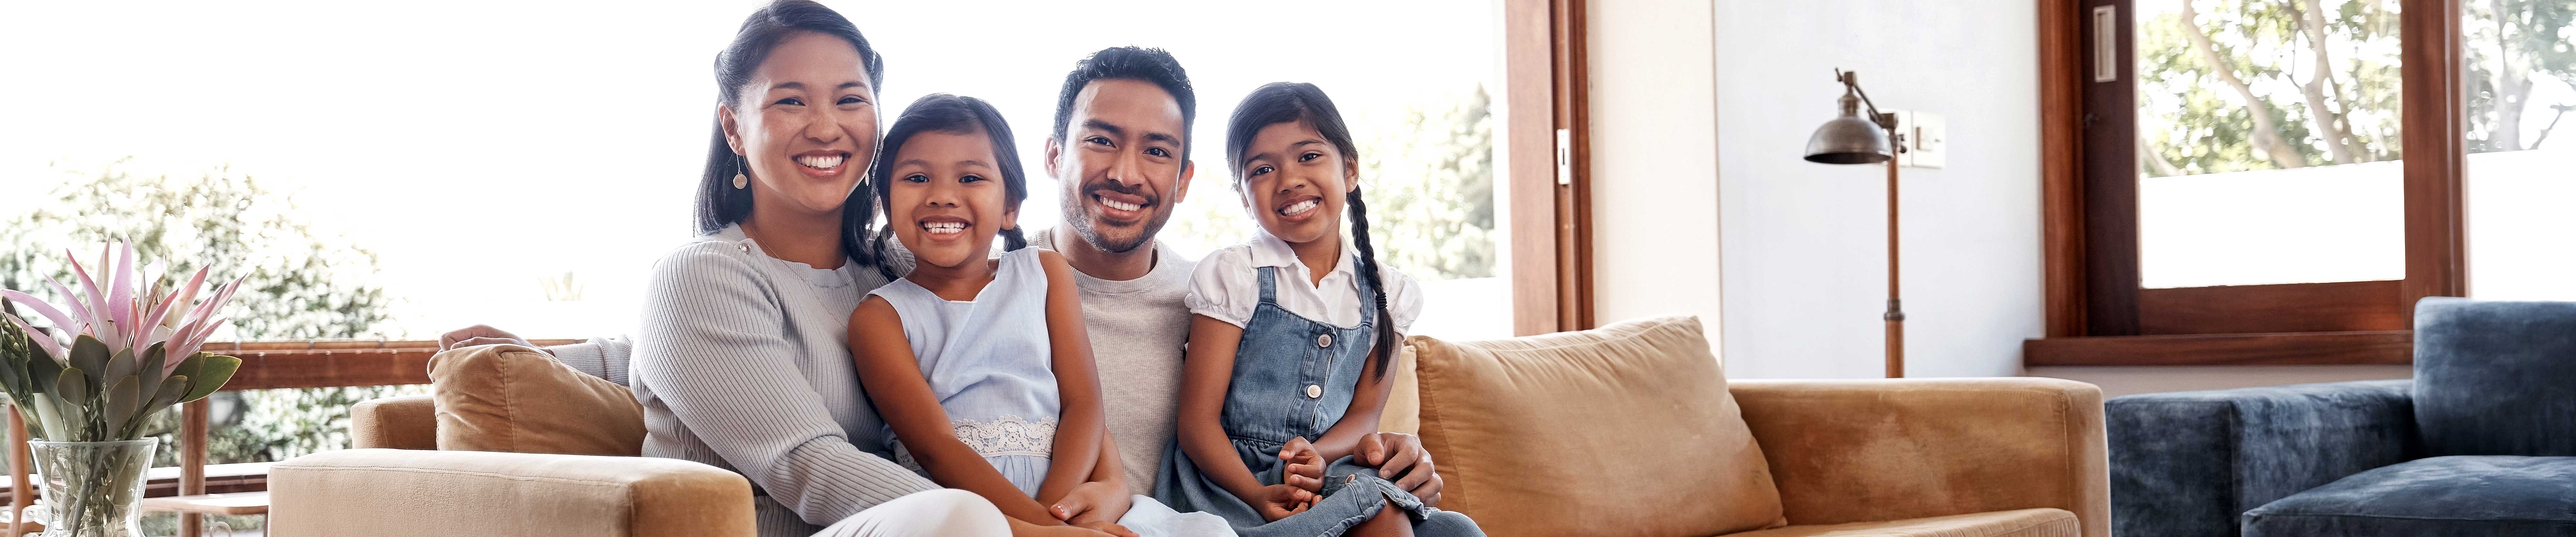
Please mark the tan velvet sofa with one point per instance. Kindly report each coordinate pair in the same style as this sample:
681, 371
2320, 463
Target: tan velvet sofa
1980, 457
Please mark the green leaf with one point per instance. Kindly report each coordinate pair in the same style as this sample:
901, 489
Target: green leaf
189, 366
171, 390
89, 354
211, 375
119, 366
42, 372
72, 388
13, 375
122, 400
154, 361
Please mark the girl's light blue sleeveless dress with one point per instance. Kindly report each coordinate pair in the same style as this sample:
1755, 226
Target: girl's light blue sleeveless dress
989, 362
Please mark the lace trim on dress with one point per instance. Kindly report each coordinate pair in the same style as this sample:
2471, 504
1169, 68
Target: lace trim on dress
1007, 435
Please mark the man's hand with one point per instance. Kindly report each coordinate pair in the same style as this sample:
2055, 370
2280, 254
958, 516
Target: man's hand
1094, 505
1305, 468
1399, 454
1279, 501
479, 335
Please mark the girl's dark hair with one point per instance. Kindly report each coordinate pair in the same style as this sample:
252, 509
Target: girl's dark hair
719, 203
1292, 102
951, 114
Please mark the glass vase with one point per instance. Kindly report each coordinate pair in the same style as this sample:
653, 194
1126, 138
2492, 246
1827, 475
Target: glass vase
92, 489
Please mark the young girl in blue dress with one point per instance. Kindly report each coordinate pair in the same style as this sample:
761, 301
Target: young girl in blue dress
1290, 340
980, 365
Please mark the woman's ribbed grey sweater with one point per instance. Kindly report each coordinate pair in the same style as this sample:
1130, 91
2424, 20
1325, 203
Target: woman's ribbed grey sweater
742, 361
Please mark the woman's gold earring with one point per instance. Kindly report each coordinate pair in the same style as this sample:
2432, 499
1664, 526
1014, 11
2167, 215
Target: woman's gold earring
739, 182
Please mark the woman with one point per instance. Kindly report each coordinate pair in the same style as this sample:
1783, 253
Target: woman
740, 361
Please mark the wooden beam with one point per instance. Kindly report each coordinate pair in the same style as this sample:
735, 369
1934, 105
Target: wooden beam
331, 368
2110, 190
1573, 78
2392, 347
1528, 148
21, 492
331, 364
2061, 166
2255, 309
2433, 109
192, 463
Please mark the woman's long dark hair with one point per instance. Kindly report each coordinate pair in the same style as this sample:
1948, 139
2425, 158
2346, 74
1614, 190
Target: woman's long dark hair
1291, 102
719, 203
952, 114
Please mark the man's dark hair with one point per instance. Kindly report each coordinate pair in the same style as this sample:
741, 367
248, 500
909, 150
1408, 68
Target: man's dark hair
1130, 63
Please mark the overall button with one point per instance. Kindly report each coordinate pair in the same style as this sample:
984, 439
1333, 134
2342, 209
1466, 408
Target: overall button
1314, 391
1323, 340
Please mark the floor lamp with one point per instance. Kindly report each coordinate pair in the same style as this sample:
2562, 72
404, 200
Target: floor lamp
1855, 139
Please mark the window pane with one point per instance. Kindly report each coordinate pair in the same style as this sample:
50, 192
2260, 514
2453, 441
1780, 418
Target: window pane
2268, 142
2521, 86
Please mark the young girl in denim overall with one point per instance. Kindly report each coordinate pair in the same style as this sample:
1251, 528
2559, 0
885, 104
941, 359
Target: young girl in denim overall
981, 366
1290, 340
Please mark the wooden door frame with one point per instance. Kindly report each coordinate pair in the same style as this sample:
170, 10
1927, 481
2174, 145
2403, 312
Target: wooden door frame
1547, 74
2090, 272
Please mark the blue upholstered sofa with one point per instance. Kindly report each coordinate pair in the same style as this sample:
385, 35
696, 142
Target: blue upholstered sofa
2482, 442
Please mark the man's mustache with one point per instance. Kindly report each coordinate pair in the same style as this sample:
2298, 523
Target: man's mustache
1114, 186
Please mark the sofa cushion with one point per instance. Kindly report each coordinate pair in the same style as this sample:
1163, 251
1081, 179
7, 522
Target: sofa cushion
1623, 430
2043, 522
2457, 495
2187, 463
516, 399
2495, 377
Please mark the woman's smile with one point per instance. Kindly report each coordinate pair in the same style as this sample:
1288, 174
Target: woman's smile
823, 164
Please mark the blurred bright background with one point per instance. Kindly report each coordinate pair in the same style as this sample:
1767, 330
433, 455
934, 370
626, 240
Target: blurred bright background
522, 164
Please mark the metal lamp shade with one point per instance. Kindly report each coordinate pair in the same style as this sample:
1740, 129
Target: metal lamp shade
1848, 140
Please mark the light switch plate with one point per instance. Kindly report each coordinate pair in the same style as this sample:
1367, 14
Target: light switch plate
1926, 139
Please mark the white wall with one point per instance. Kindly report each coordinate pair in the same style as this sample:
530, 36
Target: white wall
1805, 251
1654, 160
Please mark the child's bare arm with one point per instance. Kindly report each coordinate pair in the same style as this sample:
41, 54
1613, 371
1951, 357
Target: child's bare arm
1082, 426
892, 376
1368, 404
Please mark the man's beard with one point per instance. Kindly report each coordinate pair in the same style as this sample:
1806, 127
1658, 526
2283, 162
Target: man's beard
1078, 210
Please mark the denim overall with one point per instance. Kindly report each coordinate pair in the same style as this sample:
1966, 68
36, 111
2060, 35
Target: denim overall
1293, 377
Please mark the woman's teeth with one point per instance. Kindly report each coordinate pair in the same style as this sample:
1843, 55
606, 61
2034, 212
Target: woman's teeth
944, 228
1297, 208
1115, 204
821, 162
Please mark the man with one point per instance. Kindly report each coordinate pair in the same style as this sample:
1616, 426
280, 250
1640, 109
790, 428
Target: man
1120, 146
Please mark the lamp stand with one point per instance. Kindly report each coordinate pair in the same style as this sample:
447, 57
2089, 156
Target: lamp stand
1895, 315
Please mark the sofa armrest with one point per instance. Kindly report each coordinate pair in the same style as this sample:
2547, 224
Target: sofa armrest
1873, 450
2192, 463
407, 422
410, 493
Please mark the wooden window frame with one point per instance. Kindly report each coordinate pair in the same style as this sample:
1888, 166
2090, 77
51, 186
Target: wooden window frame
1548, 179
2096, 313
